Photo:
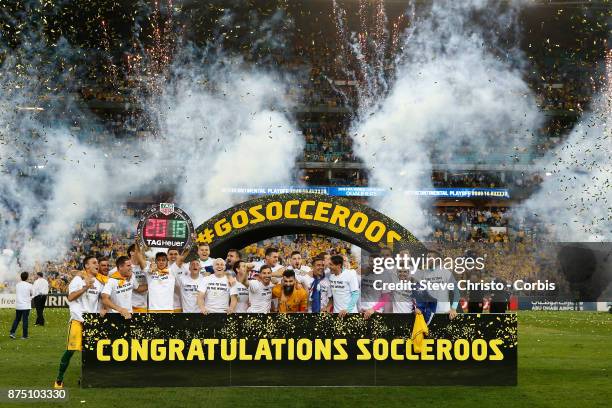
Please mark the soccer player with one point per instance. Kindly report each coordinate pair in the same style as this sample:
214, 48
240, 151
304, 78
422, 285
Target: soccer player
117, 293
260, 291
297, 265
83, 297
303, 273
214, 291
176, 262
373, 300
188, 285
140, 266
206, 264
318, 287
286, 297
233, 256
271, 261
104, 267
344, 288
327, 262
161, 285
177, 268
403, 300
239, 292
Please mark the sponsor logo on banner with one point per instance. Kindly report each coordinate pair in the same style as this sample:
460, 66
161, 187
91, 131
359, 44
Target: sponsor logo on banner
56, 300
7, 300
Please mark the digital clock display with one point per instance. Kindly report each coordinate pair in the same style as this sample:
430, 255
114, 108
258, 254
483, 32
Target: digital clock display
161, 228
165, 226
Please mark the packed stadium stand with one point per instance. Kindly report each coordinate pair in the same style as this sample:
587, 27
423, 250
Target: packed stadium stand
323, 109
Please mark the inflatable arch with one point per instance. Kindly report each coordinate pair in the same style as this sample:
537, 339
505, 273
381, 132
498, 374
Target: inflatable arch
284, 214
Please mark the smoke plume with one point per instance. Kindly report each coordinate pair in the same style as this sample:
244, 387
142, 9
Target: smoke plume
455, 97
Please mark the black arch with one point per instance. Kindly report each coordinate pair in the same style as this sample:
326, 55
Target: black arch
239, 238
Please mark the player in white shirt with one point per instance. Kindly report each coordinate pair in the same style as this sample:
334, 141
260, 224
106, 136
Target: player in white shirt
83, 297
233, 256
206, 263
303, 273
140, 267
260, 291
326, 262
24, 292
440, 276
177, 268
89, 301
161, 284
270, 260
239, 292
214, 291
103, 266
344, 288
117, 293
374, 300
403, 301
188, 286
297, 264
176, 262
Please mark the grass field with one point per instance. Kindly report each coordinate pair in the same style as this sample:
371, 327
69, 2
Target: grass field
565, 360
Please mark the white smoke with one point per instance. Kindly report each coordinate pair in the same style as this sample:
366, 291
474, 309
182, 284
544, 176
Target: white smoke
225, 127
219, 125
50, 180
575, 198
453, 97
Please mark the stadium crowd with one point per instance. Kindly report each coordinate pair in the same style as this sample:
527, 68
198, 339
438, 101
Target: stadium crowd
325, 96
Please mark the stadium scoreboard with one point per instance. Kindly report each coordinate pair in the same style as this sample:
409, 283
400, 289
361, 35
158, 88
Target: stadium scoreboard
165, 226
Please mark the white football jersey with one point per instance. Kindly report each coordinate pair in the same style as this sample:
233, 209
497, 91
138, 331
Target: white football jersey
216, 293
260, 296
189, 292
88, 302
120, 292
243, 297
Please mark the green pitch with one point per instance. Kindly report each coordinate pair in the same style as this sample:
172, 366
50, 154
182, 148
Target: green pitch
565, 360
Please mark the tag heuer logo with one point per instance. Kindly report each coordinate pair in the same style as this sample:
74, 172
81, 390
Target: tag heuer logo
166, 208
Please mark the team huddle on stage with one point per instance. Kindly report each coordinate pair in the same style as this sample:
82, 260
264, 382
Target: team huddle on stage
231, 285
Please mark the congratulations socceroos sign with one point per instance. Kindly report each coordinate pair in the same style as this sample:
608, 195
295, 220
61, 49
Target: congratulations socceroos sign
275, 215
194, 350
